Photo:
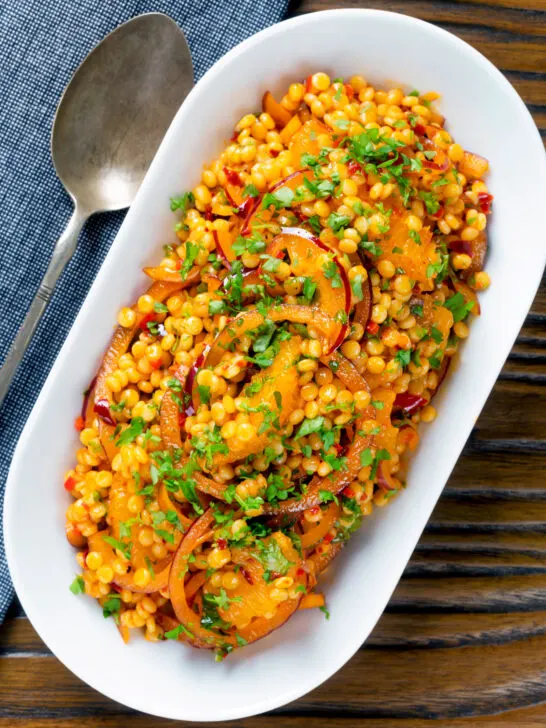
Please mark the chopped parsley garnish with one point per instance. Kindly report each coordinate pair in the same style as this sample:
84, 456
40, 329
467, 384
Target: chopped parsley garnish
192, 251
271, 557
78, 585
182, 202
130, 433
111, 607
327, 496
331, 271
174, 634
282, 197
251, 191
309, 289
403, 357
309, 426
338, 222
459, 307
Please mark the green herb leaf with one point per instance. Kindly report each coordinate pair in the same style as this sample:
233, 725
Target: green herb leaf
78, 586
308, 426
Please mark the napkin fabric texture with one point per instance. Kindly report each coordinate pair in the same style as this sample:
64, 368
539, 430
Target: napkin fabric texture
41, 44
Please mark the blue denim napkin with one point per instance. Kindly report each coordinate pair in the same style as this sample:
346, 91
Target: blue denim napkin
41, 44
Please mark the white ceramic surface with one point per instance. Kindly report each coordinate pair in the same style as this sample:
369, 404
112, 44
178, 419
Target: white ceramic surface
485, 115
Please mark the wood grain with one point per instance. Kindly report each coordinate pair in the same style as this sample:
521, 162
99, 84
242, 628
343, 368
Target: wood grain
463, 639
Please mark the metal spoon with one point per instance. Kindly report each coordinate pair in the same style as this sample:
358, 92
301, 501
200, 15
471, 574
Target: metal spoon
108, 126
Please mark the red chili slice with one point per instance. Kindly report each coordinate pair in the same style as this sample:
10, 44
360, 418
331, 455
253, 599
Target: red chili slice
485, 200
102, 409
233, 177
409, 403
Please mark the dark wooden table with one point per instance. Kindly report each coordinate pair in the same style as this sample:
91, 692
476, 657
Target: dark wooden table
463, 640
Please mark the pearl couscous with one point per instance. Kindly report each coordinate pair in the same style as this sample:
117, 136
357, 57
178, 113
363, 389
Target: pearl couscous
263, 395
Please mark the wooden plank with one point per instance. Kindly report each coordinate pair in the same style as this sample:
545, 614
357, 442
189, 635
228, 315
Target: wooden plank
453, 683
515, 410
456, 14
489, 514
472, 594
533, 717
394, 629
532, 90
492, 542
506, 475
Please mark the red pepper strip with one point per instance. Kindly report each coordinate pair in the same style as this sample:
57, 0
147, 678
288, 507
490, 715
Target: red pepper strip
303, 249
384, 477
363, 308
337, 481
276, 111
348, 374
160, 581
201, 637
321, 558
319, 532
251, 319
334, 483
173, 276
119, 344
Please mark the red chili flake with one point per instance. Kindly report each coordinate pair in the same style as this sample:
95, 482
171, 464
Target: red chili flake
349, 492
353, 167
116, 588
246, 575
438, 214
419, 129
155, 363
102, 409
233, 177
179, 263
143, 325
339, 449
274, 152
328, 538
234, 136
222, 543
372, 328
79, 423
300, 571
349, 90
70, 484
182, 417
308, 84
208, 214
484, 201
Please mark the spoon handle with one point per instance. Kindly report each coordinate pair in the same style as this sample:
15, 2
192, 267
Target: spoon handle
66, 245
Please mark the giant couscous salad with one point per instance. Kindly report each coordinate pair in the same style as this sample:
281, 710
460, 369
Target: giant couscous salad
263, 395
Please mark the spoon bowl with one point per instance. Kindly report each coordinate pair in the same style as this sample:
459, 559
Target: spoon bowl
107, 129
117, 108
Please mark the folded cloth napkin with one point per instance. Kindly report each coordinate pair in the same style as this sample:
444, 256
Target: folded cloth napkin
41, 44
